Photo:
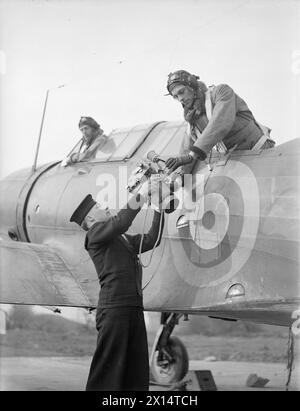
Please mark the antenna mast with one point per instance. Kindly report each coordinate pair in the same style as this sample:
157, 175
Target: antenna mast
41, 129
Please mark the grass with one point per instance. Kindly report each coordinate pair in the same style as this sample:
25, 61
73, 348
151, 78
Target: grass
49, 335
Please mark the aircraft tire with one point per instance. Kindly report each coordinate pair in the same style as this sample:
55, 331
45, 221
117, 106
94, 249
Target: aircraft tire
174, 371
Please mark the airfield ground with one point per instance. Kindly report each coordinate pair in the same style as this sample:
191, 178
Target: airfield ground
64, 348
70, 374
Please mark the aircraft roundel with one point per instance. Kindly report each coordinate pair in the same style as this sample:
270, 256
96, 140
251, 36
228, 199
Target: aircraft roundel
221, 230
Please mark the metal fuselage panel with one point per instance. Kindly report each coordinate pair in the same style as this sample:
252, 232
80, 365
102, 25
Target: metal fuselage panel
253, 240
15, 192
10, 189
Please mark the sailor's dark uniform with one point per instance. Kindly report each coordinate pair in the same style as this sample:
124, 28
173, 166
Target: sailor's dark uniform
120, 361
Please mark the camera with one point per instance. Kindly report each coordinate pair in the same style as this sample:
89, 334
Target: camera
151, 168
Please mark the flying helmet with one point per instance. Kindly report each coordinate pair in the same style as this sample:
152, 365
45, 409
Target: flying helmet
181, 77
88, 121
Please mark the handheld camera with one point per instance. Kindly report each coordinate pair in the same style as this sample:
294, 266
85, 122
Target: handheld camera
152, 168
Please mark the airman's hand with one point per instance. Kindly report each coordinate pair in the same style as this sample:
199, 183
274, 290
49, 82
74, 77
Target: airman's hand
174, 162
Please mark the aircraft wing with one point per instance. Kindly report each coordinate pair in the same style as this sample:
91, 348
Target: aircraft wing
33, 272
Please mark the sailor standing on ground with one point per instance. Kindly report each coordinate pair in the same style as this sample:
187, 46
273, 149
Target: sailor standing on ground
93, 139
216, 115
121, 360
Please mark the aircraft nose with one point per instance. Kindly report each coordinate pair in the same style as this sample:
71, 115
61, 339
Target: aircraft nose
10, 190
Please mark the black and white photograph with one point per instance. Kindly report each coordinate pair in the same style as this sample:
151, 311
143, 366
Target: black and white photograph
149, 198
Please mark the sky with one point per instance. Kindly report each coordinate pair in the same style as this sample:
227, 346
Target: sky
113, 58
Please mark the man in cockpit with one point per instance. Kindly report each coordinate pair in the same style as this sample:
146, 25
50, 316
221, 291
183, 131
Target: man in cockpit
93, 139
216, 116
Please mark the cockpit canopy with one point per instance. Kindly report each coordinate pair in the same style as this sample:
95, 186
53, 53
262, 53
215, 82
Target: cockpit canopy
163, 137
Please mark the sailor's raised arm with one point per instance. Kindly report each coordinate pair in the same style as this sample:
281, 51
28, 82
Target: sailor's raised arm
149, 239
104, 231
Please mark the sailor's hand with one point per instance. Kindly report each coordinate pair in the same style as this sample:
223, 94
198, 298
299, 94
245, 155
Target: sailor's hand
155, 183
155, 193
176, 180
174, 162
145, 189
150, 187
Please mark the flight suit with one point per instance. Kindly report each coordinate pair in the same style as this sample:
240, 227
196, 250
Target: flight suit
231, 123
88, 151
120, 362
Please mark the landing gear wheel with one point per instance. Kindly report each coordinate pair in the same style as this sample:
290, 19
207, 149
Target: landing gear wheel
166, 370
